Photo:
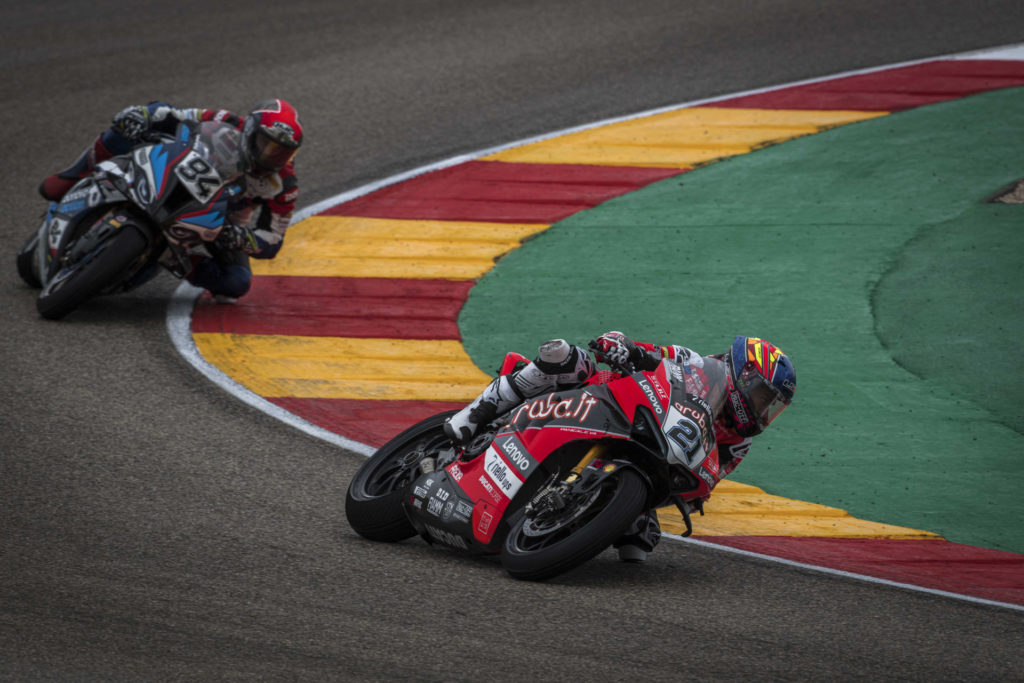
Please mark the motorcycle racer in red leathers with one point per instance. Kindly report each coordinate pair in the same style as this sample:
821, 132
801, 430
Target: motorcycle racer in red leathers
760, 384
258, 216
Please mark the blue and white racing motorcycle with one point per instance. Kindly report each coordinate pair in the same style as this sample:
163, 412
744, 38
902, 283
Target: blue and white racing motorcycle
134, 213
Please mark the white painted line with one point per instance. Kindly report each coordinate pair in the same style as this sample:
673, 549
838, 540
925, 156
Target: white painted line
1010, 52
179, 310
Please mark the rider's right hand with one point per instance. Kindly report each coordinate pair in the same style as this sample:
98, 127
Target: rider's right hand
235, 238
132, 122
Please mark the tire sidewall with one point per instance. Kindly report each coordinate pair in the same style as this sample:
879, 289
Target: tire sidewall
356, 488
116, 255
382, 517
599, 533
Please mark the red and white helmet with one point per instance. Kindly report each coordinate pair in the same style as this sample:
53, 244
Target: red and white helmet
271, 135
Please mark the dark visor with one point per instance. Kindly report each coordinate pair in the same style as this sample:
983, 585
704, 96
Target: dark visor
269, 154
765, 400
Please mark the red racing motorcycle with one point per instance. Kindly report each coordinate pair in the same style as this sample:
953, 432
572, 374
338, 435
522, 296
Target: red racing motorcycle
555, 481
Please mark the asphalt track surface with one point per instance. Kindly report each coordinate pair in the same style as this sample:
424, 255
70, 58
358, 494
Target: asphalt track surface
153, 527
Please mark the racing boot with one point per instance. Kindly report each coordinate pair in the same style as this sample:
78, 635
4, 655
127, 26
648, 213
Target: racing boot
499, 397
56, 186
558, 365
640, 538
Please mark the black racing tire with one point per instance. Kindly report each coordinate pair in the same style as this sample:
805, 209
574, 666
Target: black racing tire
61, 296
607, 518
26, 255
375, 495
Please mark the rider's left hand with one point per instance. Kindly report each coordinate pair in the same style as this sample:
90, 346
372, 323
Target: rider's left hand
617, 350
132, 122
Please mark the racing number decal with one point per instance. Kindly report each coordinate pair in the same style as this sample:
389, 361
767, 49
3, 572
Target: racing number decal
687, 435
199, 176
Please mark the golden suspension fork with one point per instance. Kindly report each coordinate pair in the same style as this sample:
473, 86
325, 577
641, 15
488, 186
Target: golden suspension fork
595, 452
550, 493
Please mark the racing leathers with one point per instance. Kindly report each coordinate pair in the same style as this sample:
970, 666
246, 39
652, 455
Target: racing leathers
257, 218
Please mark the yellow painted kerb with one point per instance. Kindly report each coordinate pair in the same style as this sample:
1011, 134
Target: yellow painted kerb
338, 367
741, 510
346, 246
682, 138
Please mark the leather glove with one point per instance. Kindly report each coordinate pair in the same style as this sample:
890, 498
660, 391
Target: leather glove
617, 350
132, 122
235, 238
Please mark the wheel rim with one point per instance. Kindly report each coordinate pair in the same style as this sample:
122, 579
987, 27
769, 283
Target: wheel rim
549, 529
403, 468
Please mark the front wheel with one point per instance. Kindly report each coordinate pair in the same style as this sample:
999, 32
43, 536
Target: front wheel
373, 504
541, 547
73, 286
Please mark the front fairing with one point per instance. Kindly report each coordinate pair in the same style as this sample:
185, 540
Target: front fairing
684, 399
64, 220
187, 183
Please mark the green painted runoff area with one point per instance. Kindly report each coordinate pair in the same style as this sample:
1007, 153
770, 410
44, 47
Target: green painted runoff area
869, 255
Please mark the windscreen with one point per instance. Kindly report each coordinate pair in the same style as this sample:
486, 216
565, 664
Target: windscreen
222, 146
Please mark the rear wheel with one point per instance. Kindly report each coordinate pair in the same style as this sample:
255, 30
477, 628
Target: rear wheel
541, 546
373, 504
73, 286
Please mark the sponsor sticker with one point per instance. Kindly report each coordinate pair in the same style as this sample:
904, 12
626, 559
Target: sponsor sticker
490, 489
651, 397
447, 537
708, 478
574, 407
500, 473
434, 506
516, 455
484, 525
662, 394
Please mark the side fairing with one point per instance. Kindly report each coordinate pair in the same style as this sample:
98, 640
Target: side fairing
442, 510
151, 173
203, 224
462, 505
63, 219
181, 188
680, 395
587, 411
688, 424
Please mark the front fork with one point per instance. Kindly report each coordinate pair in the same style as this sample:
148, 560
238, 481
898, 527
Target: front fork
558, 493
596, 452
